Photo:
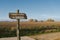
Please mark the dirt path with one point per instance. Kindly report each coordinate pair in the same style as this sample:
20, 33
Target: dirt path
49, 36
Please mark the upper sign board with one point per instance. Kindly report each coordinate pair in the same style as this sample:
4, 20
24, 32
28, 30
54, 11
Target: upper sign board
17, 16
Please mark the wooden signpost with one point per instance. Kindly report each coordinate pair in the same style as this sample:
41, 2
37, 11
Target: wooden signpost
18, 16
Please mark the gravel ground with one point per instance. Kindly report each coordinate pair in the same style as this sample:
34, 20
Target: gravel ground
15, 38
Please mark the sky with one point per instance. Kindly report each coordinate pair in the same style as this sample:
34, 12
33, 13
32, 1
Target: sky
34, 9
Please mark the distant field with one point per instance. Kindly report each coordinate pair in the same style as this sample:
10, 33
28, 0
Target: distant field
29, 24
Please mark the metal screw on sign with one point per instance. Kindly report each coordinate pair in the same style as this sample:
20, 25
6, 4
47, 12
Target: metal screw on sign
18, 16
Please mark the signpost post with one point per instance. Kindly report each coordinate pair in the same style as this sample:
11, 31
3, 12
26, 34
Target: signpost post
18, 16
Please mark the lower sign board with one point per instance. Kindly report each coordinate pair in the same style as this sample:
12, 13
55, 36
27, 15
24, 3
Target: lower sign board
17, 16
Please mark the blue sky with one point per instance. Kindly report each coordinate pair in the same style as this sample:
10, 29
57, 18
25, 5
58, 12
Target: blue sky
35, 9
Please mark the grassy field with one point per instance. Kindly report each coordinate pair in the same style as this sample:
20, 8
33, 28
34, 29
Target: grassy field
49, 36
8, 29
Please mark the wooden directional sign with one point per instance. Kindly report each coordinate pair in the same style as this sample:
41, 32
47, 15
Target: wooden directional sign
17, 16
